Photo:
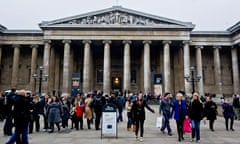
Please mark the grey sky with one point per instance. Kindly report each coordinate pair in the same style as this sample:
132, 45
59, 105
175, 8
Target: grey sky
205, 14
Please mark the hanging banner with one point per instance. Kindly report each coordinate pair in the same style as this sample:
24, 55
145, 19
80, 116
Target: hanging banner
75, 84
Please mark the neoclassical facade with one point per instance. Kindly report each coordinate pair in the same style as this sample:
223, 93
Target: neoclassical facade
120, 49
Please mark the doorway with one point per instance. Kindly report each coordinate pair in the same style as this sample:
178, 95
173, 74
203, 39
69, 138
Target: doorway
116, 84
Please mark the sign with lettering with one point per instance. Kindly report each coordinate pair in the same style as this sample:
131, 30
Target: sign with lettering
109, 120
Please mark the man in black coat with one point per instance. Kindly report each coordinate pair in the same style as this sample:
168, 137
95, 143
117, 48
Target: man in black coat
21, 115
210, 111
8, 104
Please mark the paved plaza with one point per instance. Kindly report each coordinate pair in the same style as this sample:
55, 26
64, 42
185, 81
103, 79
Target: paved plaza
152, 134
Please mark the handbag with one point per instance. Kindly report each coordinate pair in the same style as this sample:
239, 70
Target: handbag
187, 125
159, 122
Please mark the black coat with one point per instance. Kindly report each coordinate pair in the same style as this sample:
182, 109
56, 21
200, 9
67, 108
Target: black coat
210, 110
138, 110
196, 110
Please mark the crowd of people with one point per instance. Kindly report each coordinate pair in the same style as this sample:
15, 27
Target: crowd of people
195, 108
59, 110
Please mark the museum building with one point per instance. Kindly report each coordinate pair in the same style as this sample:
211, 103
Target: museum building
120, 49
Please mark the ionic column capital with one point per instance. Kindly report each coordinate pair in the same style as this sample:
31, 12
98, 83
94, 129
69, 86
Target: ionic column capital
166, 42
47, 41
86, 41
16, 46
106, 41
147, 42
199, 47
34, 46
127, 41
66, 41
217, 47
186, 42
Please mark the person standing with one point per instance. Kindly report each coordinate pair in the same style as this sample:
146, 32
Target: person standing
196, 115
88, 110
128, 107
165, 109
228, 113
98, 102
180, 111
8, 104
43, 111
236, 106
138, 110
21, 116
54, 113
210, 111
120, 105
35, 114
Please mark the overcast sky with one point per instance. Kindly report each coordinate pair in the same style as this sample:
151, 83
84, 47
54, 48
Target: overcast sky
205, 14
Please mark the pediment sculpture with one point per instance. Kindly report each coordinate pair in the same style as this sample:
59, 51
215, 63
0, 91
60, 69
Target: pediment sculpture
115, 18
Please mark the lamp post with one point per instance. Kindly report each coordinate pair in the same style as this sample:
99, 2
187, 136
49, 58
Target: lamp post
192, 78
40, 78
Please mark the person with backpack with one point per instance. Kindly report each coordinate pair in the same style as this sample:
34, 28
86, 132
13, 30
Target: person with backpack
98, 103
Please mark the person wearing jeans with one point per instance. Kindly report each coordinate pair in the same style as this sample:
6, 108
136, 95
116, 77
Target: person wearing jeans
196, 115
165, 107
228, 113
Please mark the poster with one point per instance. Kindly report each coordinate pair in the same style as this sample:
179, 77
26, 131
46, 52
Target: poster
109, 123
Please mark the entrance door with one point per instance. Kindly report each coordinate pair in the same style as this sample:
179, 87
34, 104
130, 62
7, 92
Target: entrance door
116, 84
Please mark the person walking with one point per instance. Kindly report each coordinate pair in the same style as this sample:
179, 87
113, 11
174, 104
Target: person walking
138, 111
210, 111
196, 115
236, 106
165, 109
180, 111
228, 113
128, 107
54, 113
21, 116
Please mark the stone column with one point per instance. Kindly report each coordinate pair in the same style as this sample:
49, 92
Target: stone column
166, 66
199, 69
33, 67
235, 70
186, 65
46, 56
86, 66
217, 70
57, 72
15, 67
126, 65
107, 67
147, 67
66, 67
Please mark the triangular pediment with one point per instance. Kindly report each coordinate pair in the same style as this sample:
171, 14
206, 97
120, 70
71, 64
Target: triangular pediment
117, 16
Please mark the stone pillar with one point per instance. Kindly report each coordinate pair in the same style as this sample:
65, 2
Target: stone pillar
15, 67
46, 56
186, 65
66, 67
147, 67
57, 72
126, 65
199, 69
107, 67
235, 70
217, 70
33, 67
86, 66
51, 70
166, 66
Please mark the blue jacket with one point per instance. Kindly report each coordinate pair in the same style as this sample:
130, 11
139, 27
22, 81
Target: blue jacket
228, 111
176, 110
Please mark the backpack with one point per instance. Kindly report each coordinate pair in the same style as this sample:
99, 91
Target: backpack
98, 102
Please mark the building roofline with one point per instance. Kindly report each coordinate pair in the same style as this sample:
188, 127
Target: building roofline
211, 33
234, 28
2, 28
188, 25
23, 32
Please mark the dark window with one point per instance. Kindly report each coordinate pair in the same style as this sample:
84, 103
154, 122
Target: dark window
133, 77
99, 75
